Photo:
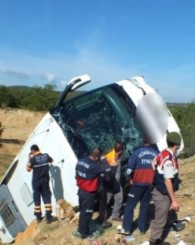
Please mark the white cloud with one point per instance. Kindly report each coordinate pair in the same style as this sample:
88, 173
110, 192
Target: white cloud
49, 76
62, 83
21, 69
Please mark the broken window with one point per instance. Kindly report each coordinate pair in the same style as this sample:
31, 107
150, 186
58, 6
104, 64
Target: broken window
98, 119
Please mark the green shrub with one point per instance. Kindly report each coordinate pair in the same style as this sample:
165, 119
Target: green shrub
185, 117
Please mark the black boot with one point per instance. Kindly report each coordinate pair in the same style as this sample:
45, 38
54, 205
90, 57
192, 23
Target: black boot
153, 243
48, 217
39, 218
159, 242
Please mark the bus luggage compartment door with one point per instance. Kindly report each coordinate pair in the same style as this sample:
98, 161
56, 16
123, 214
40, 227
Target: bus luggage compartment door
9, 213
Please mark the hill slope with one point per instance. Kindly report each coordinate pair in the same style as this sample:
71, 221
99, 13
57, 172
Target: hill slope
18, 124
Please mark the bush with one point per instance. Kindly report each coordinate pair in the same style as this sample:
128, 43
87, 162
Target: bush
185, 117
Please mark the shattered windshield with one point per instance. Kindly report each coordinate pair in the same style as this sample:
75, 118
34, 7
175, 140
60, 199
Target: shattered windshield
98, 118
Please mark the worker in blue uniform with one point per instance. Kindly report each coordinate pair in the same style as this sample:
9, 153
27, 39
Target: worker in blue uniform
88, 170
141, 179
39, 163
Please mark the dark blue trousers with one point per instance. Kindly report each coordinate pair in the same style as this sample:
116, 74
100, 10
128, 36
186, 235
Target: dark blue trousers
86, 205
136, 194
42, 189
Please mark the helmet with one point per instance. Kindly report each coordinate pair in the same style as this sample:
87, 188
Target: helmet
174, 137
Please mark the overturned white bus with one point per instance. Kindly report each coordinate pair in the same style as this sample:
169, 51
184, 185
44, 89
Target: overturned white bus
128, 110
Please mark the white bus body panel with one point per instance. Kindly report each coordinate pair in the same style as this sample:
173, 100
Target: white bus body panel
50, 138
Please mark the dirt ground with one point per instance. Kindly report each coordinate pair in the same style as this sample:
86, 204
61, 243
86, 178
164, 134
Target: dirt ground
18, 124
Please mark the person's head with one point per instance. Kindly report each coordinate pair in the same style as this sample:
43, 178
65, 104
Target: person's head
34, 148
95, 154
173, 140
146, 141
119, 148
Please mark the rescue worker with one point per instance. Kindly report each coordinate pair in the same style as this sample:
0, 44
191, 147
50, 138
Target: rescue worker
39, 163
113, 186
88, 170
141, 173
166, 183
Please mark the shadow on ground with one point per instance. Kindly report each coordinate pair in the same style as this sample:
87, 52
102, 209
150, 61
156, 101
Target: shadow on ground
12, 141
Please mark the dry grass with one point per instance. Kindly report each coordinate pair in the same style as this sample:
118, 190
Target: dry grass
5, 161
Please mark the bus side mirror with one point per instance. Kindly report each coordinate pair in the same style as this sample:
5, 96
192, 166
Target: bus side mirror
72, 85
77, 82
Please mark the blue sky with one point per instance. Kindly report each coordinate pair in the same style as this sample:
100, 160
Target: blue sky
51, 41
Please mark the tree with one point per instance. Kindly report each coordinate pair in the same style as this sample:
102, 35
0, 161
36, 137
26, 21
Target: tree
41, 99
185, 117
3, 96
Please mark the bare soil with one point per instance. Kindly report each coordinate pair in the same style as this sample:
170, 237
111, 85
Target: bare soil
18, 125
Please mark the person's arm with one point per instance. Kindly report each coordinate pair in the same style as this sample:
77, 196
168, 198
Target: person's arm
50, 160
29, 166
104, 167
132, 162
154, 162
169, 175
131, 166
169, 186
